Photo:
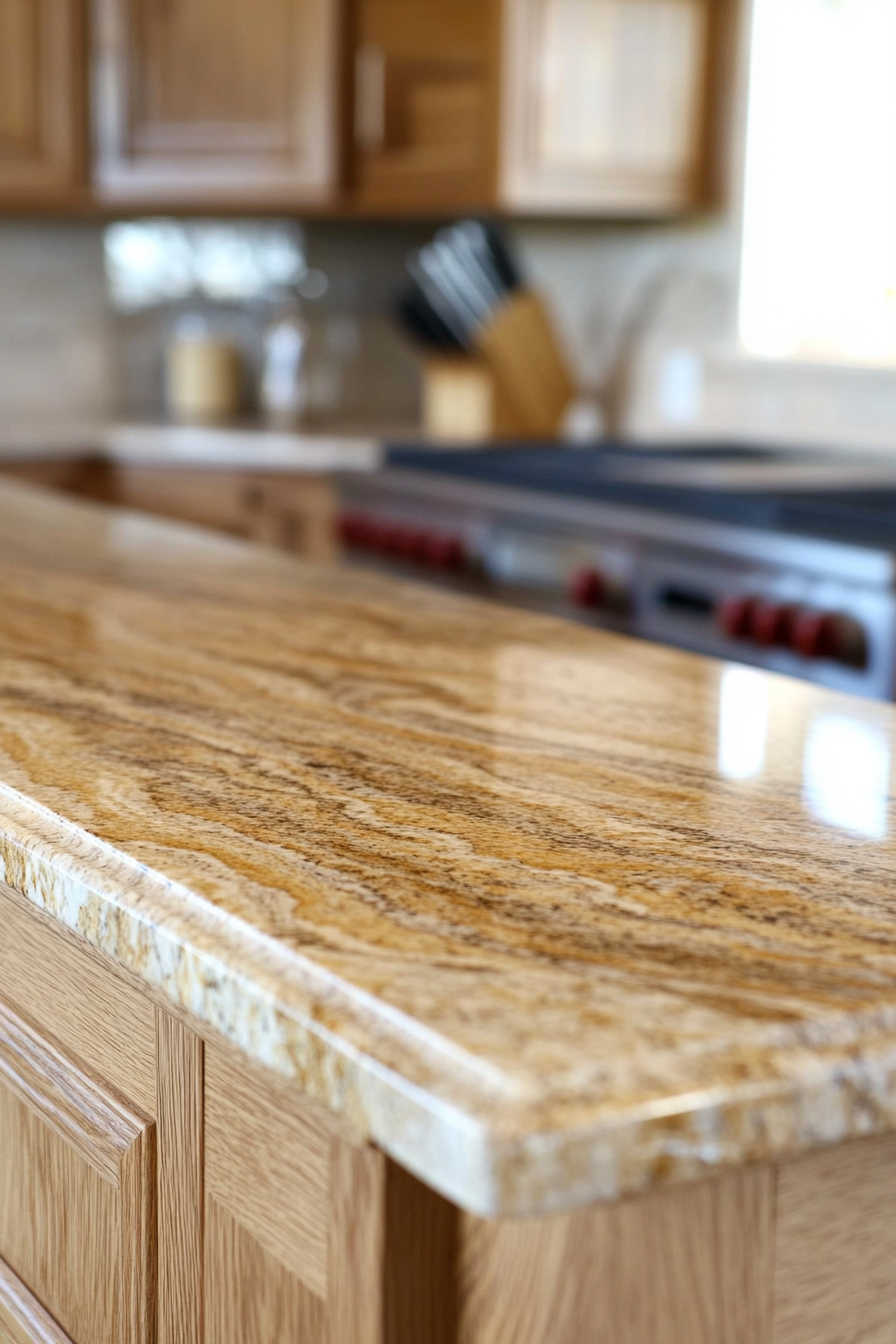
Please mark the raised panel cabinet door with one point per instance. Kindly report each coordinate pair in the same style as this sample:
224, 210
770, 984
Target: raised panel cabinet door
41, 107
426, 103
204, 101
77, 1199
22, 1318
605, 105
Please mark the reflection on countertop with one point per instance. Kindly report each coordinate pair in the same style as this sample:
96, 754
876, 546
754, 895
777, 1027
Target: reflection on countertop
551, 915
845, 756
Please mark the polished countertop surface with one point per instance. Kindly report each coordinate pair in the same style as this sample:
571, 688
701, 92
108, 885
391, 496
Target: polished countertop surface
550, 915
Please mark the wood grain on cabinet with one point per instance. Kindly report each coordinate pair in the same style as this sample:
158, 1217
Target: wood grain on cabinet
77, 1192
836, 1246
267, 1163
84, 474
393, 1249
267, 1209
357, 1244
251, 1297
180, 1067
41, 101
420, 1267
308, 1229
687, 1266
426, 104
605, 105
292, 512
64, 988
203, 101
22, 1318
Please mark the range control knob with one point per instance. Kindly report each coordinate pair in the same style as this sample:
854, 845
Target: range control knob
443, 552
414, 544
404, 543
813, 634
832, 635
734, 616
773, 623
588, 588
354, 529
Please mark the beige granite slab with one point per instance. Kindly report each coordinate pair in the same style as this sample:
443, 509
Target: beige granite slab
550, 915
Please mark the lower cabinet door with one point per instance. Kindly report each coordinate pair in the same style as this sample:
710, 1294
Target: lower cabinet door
22, 1318
77, 1201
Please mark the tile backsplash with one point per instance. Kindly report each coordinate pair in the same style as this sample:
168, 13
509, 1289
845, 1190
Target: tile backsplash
646, 313
360, 368
64, 350
56, 329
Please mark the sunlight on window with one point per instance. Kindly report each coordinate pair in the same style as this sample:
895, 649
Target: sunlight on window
819, 255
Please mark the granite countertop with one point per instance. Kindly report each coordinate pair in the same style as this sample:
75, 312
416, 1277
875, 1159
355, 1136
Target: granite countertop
550, 915
225, 447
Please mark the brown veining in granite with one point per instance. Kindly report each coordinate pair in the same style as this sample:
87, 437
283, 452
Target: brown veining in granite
550, 914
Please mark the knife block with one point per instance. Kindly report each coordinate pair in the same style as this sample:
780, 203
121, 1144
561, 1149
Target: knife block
515, 385
462, 402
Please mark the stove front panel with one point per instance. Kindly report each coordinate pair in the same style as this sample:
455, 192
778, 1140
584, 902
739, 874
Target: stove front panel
824, 612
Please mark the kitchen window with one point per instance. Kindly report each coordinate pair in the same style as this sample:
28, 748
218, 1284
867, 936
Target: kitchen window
819, 245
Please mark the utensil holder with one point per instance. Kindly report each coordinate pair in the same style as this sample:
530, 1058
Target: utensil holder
532, 379
516, 384
462, 402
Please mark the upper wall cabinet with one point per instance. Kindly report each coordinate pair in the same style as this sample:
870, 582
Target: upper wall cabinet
41, 116
205, 102
547, 106
605, 104
426, 103
590, 107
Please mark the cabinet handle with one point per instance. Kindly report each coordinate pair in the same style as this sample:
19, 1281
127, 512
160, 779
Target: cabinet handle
370, 98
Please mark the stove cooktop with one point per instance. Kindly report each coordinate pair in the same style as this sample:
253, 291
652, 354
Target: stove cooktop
843, 497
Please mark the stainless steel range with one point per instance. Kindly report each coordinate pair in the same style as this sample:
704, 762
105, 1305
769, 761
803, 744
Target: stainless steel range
782, 559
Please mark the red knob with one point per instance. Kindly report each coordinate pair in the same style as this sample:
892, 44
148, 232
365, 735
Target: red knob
814, 634
735, 616
390, 539
823, 634
409, 543
356, 529
587, 588
351, 528
444, 552
773, 623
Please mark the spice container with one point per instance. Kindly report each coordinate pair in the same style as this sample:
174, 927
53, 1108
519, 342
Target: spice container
203, 374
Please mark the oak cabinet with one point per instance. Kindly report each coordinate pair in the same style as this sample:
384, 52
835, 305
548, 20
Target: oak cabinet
289, 511
41, 103
545, 106
77, 1194
215, 101
23, 1320
158, 1185
426, 101
605, 104
542, 106
295, 512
